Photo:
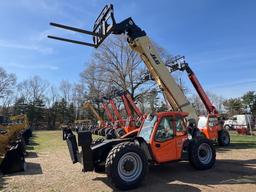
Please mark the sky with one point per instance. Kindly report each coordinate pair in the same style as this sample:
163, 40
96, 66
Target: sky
217, 37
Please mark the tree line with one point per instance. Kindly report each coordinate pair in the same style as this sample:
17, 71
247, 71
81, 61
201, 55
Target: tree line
113, 66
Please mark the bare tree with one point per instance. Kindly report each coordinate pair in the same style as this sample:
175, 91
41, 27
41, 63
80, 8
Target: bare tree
114, 64
7, 102
7, 83
66, 90
52, 96
33, 89
216, 100
95, 81
198, 104
78, 97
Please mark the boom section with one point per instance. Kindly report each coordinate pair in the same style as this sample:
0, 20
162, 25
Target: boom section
160, 73
115, 110
88, 105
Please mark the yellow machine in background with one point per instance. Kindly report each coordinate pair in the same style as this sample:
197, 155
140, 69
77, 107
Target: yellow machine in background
10, 129
15, 134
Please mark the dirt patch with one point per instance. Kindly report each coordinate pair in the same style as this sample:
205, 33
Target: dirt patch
49, 168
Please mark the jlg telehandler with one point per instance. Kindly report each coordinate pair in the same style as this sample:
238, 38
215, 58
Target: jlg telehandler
210, 125
162, 137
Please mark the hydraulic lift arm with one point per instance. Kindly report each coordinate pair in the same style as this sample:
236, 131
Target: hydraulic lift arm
183, 66
126, 106
131, 102
88, 105
108, 112
116, 112
105, 24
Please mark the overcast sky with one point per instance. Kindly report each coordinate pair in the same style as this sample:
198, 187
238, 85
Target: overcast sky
218, 37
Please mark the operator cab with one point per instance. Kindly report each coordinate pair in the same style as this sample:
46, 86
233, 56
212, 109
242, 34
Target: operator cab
208, 126
165, 133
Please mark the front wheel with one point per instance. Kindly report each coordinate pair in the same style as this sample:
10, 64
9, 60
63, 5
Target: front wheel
126, 165
202, 154
223, 137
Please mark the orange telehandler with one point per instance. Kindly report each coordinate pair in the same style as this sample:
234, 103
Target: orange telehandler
162, 137
121, 127
210, 125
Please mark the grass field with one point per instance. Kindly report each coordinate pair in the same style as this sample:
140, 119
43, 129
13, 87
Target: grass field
50, 140
49, 168
246, 141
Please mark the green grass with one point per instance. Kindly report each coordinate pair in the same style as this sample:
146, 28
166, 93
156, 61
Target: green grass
44, 141
48, 141
245, 141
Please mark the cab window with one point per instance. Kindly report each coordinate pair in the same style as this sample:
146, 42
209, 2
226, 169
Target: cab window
212, 121
180, 126
165, 130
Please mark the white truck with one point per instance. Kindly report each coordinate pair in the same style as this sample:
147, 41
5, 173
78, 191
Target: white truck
240, 121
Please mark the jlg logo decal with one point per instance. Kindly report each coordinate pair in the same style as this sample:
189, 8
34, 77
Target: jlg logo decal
155, 59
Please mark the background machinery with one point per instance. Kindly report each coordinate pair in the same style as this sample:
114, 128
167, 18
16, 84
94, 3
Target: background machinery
211, 126
14, 135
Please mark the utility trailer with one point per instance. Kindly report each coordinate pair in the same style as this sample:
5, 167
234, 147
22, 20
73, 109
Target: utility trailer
163, 136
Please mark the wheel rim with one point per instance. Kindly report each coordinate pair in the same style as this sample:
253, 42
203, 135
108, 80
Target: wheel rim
130, 167
205, 153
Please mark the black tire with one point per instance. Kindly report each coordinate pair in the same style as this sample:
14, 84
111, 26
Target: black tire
100, 131
223, 138
125, 158
227, 127
103, 132
93, 131
119, 132
96, 131
107, 131
202, 154
111, 134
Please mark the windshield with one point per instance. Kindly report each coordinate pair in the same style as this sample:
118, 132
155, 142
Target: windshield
147, 127
212, 121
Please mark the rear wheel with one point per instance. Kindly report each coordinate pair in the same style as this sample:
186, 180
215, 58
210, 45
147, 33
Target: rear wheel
126, 165
223, 137
202, 154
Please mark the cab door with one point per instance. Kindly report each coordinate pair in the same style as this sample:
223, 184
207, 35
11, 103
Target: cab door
163, 142
181, 134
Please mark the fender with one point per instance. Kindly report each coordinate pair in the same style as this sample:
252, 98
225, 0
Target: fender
131, 134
